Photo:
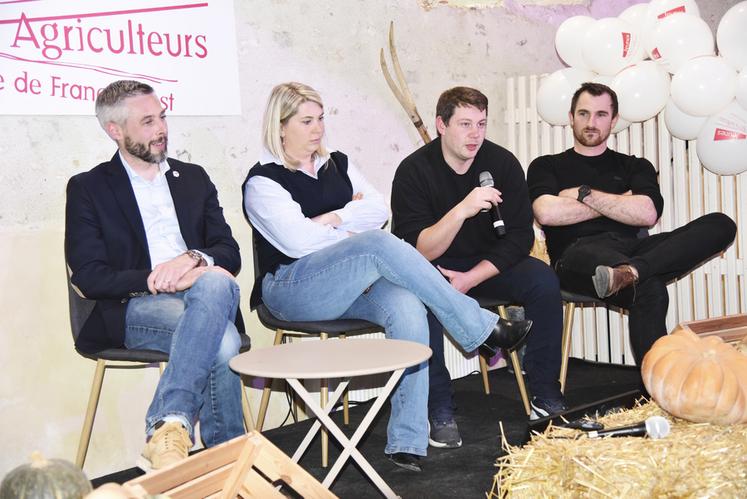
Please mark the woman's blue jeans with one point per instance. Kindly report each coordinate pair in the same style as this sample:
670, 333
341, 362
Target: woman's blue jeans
195, 327
379, 278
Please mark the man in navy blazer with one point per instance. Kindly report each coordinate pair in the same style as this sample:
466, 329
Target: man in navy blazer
146, 239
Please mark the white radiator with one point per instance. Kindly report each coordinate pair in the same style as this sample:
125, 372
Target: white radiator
715, 289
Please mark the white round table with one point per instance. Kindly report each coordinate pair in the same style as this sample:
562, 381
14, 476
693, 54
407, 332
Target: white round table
335, 359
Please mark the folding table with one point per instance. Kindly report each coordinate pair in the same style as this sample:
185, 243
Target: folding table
335, 359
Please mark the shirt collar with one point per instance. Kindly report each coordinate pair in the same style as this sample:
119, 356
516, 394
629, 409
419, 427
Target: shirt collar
163, 168
266, 157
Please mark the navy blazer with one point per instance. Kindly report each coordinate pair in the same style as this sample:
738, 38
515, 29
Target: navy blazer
106, 247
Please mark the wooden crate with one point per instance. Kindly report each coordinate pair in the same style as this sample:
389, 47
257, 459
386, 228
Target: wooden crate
249, 466
730, 328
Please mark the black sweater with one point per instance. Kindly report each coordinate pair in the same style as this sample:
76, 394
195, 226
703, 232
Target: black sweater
611, 172
425, 188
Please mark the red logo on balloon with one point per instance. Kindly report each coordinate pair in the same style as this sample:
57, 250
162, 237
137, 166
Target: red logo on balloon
626, 43
722, 134
675, 10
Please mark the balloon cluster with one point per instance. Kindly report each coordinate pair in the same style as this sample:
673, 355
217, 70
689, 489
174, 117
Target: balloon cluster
705, 98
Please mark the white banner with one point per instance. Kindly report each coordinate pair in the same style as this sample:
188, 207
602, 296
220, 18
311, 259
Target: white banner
55, 56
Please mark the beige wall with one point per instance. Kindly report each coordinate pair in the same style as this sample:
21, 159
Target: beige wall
332, 45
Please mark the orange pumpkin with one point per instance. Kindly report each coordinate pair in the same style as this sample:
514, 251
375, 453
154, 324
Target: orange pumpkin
698, 379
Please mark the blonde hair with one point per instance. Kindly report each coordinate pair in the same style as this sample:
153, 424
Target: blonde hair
283, 103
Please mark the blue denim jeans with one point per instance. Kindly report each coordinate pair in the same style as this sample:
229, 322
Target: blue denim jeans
195, 327
379, 278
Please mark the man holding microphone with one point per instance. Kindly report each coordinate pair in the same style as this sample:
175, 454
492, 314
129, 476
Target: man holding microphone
462, 201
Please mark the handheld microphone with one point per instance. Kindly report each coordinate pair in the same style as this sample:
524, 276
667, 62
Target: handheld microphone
486, 180
654, 427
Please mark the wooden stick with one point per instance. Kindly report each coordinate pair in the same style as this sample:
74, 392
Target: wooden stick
400, 89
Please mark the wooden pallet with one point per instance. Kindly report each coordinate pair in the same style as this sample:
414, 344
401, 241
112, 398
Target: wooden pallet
730, 328
249, 466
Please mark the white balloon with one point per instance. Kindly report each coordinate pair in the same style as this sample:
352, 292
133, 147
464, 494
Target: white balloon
704, 86
722, 143
680, 124
659, 9
731, 36
570, 38
636, 16
610, 44
642, 90
555, 93
677, 39
741, 93
621, 124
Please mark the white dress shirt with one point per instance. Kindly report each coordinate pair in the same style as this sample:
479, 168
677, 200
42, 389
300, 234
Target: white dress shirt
274, 213
156, 206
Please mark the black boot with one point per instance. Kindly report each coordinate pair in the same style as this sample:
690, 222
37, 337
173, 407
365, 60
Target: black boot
505, 334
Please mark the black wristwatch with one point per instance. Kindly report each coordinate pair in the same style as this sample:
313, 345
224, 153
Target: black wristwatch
583, 191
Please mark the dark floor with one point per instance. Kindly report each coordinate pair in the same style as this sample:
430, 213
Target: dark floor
466, 472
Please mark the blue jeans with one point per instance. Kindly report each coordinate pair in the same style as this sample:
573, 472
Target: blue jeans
377, 277
195, 327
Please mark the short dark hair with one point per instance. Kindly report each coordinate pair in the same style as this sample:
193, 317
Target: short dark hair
459, 96
595, 89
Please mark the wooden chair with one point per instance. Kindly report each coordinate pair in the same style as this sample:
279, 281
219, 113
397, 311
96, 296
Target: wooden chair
123, 358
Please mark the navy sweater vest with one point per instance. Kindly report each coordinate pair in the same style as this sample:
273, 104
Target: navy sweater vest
331, 190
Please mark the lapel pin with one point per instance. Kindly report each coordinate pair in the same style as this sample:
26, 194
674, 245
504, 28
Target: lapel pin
175, 174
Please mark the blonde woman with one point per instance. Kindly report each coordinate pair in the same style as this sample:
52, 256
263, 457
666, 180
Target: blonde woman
322, 256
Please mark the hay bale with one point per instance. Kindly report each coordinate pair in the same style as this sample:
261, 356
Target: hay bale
695, 460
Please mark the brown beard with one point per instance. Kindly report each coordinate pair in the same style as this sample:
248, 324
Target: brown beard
581, 139
142, 151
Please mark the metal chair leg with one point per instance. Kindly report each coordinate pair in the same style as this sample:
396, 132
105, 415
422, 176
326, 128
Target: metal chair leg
570, 309
264, 402
484, 372
517, 368
93, 402
246, 408
345, 400
520, 380
323, 397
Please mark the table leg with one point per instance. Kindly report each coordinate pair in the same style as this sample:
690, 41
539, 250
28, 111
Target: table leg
349, 444
301, 391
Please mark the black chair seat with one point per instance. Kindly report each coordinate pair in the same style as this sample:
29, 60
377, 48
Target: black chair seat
145, 356
124, 354
486, 302
332, 328
568, 296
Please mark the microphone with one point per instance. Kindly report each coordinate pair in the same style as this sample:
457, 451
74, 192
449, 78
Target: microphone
654, 427
486, 180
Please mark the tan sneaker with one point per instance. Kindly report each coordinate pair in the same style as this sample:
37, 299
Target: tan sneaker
169, 444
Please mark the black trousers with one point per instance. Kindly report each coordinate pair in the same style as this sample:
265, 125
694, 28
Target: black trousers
530, 283
659, 259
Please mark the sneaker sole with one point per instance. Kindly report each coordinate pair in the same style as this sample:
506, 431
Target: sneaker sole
144, 464
537, 413
601, 281
444, 445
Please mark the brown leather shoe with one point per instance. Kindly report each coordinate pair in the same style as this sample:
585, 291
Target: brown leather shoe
610, 280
